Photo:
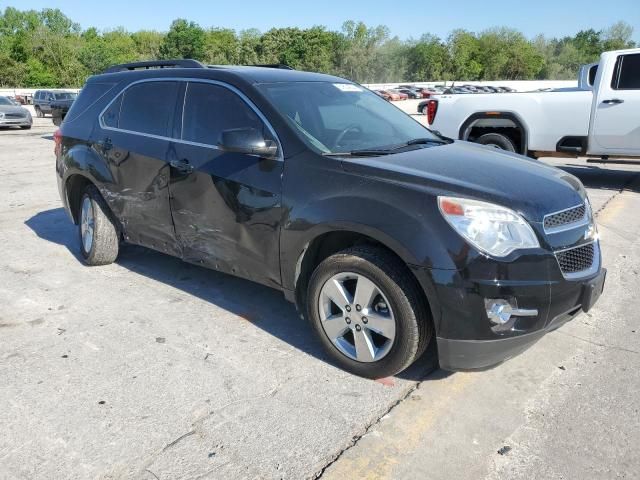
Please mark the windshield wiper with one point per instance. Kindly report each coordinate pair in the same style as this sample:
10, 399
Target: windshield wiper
370, 152
358, 153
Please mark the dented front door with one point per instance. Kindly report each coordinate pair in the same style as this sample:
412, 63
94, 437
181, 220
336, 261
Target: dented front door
226, 206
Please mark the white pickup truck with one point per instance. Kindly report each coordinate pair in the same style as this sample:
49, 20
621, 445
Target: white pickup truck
599, 118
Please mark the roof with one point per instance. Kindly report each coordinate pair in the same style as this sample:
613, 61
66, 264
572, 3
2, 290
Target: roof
249, 74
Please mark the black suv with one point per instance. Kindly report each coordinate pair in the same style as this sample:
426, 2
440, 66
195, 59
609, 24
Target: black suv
43, 100
383, 233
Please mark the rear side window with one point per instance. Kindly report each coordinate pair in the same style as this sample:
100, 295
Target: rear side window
148, 107
89, 95
210, 109
626, 75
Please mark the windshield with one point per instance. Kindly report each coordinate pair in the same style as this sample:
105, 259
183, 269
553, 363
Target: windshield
342, 117
5, 101
65, 96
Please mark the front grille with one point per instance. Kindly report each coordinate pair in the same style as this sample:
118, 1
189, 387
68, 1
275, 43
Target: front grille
565, 217
576, 259
14, 115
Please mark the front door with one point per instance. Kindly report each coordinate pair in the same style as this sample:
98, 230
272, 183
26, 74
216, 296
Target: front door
615, 122
226, 206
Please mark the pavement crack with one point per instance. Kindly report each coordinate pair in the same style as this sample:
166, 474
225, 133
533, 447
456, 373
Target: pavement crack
598, 344
356, 438
147, 470
177, 440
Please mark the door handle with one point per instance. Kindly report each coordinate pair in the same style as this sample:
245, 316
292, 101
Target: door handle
613, 101
105, 144
182, 166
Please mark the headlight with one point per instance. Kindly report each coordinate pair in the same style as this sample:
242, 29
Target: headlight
1, 115
493, 229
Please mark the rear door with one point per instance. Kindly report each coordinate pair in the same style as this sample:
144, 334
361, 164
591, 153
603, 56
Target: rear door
136, 127
226, 206
615, 123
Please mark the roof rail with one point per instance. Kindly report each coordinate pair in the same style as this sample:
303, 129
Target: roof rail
186, 63
274, 65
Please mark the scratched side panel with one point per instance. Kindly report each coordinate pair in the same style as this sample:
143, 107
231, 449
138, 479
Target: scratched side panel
228, 211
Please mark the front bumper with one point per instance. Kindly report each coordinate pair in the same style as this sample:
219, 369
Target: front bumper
16, 122
468, 340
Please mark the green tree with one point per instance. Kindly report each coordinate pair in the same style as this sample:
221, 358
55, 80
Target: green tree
184, 40
428, 59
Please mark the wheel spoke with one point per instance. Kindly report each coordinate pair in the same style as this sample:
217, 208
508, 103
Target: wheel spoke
336, 292
365, 349
334, 326
366, 291
381, 324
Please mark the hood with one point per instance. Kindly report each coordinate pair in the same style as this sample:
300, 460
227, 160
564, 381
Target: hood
14, 109
527, 186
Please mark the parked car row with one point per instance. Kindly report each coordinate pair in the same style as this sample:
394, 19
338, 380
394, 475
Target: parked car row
404, 92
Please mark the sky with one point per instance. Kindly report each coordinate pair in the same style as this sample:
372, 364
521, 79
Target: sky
553, 18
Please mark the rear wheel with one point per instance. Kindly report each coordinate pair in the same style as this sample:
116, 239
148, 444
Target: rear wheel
497, 140
367, 312
99, 241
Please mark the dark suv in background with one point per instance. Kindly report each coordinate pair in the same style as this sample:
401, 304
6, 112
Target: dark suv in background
383, 233
43, 100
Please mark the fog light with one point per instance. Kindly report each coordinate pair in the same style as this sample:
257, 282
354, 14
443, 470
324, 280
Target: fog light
500, 311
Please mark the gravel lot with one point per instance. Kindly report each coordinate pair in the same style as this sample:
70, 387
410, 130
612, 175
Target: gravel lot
156, 369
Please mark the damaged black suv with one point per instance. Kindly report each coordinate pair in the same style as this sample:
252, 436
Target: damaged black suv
386, 235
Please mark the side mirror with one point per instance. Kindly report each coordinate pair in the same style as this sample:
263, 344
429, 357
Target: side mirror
249, 141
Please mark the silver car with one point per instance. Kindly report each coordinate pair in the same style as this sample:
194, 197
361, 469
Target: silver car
12, 115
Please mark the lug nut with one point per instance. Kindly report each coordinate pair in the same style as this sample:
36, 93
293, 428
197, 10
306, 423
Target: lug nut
358, 307
348, 308
358, 328
365, 320
348, 320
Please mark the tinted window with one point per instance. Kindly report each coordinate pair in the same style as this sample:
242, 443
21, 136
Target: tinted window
210, 109
148, 107
64, 96
88, 96
111, 116
627, 72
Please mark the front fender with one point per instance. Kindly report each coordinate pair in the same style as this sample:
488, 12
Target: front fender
405, 231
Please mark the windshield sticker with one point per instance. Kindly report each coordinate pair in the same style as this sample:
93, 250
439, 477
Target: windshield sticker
347, 87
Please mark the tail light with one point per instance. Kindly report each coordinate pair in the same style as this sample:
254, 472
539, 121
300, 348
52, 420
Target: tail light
57, 140
432, 109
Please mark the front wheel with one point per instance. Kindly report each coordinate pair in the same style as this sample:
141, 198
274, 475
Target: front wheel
99, 240
497, 140
368, 312
39, 112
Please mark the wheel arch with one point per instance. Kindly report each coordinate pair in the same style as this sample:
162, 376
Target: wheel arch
327, 241
494, 121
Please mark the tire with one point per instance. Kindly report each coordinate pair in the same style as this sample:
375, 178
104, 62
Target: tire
497, 140
424, 108
396, 290
39, 113
25, 127
102, 248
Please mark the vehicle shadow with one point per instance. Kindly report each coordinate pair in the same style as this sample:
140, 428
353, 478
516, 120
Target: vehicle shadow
264, 307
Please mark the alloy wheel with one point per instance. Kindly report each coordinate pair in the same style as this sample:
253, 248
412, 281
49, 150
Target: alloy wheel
87, 224
356, 317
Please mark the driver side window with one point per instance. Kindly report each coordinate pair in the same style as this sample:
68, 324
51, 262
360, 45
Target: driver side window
210, 109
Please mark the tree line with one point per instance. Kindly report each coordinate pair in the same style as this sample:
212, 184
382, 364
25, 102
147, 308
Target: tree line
48, 49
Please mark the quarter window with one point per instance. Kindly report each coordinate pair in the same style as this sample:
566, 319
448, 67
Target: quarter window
146, 107
210, 109
626, 75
